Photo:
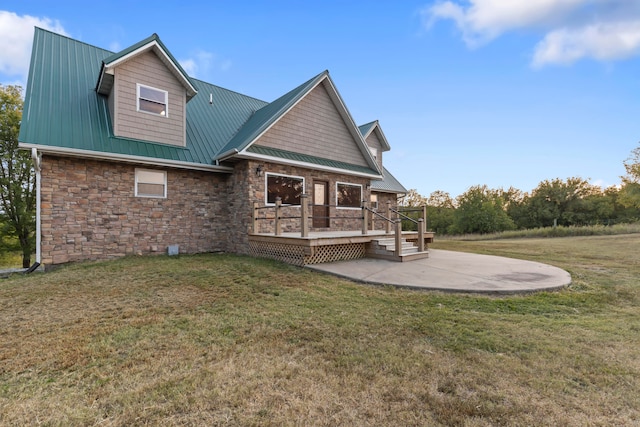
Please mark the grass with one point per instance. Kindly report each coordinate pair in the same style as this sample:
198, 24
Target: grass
230, 340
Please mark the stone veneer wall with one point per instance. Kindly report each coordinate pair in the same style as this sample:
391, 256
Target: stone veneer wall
89, 212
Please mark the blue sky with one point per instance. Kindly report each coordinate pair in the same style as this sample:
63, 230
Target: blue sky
496, 92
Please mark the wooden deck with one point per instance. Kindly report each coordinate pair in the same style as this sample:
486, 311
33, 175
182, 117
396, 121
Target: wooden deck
324, 246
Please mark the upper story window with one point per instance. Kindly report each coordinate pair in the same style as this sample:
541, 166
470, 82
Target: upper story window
374, 152
152, 100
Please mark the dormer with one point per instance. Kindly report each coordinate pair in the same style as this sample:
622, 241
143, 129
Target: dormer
147, 92
375, 139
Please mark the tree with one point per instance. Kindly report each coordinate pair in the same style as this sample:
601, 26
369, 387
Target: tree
571, 202
630, 193
440, 209
481, 210
17, 179
413, 199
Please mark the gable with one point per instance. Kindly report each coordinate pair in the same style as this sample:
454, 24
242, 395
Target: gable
315, 127
374, 142
148, 70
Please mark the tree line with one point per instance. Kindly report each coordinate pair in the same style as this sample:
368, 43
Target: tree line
558, 202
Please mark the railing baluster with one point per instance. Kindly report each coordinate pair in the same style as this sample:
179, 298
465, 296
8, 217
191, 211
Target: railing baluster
277, 224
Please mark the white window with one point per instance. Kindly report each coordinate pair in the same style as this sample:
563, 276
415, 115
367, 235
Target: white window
374, 152
152, 100
288, 188
348, 196
374, 201
150, 183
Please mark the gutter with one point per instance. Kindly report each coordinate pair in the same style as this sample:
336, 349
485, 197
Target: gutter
150, 161
37, 165
227, 154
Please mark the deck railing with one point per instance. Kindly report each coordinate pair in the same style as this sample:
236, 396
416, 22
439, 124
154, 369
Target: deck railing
393, 221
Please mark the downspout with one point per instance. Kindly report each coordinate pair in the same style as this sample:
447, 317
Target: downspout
37, 162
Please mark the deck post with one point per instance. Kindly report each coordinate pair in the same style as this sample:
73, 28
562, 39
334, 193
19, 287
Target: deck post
278, 226
420, 235
304, 215
254, 218
424, 216
387, 223
398, 251
365, 218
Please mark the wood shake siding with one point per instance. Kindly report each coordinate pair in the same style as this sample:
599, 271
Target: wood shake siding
147, 69
315, 127
374, 142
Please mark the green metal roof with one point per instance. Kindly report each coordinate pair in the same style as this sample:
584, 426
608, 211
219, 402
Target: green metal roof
388, 184
297, 157
64, 112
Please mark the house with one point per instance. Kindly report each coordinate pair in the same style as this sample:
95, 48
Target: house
133, 156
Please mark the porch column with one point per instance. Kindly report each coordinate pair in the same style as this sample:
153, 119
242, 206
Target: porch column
398, 236
365, 218
277, 219
304, 215
388, 223
420, 235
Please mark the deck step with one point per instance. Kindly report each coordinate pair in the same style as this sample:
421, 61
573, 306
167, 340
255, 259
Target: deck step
385, 248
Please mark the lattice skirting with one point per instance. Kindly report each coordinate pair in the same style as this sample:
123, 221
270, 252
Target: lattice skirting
340, 252
299, 255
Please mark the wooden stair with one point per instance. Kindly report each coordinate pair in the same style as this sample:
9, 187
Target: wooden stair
384, 248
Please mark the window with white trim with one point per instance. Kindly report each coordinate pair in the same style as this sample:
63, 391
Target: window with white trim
151, 183
374, 152
348, 196
152, 100
374, 201
288, 188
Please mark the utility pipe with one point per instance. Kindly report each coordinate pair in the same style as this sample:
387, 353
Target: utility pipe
37, 163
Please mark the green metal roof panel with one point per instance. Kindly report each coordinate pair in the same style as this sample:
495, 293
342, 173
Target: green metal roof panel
388, 184
304, 158
267, 115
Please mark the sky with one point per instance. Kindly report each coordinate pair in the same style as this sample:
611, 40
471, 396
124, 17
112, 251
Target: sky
500, 93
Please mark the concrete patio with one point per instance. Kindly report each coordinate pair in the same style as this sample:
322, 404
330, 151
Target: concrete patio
454, 272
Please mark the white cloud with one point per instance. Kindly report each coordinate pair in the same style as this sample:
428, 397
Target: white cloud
202, 62
573, 29
602, 41
16, 38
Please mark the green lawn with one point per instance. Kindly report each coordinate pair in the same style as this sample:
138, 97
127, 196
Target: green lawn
230, 340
